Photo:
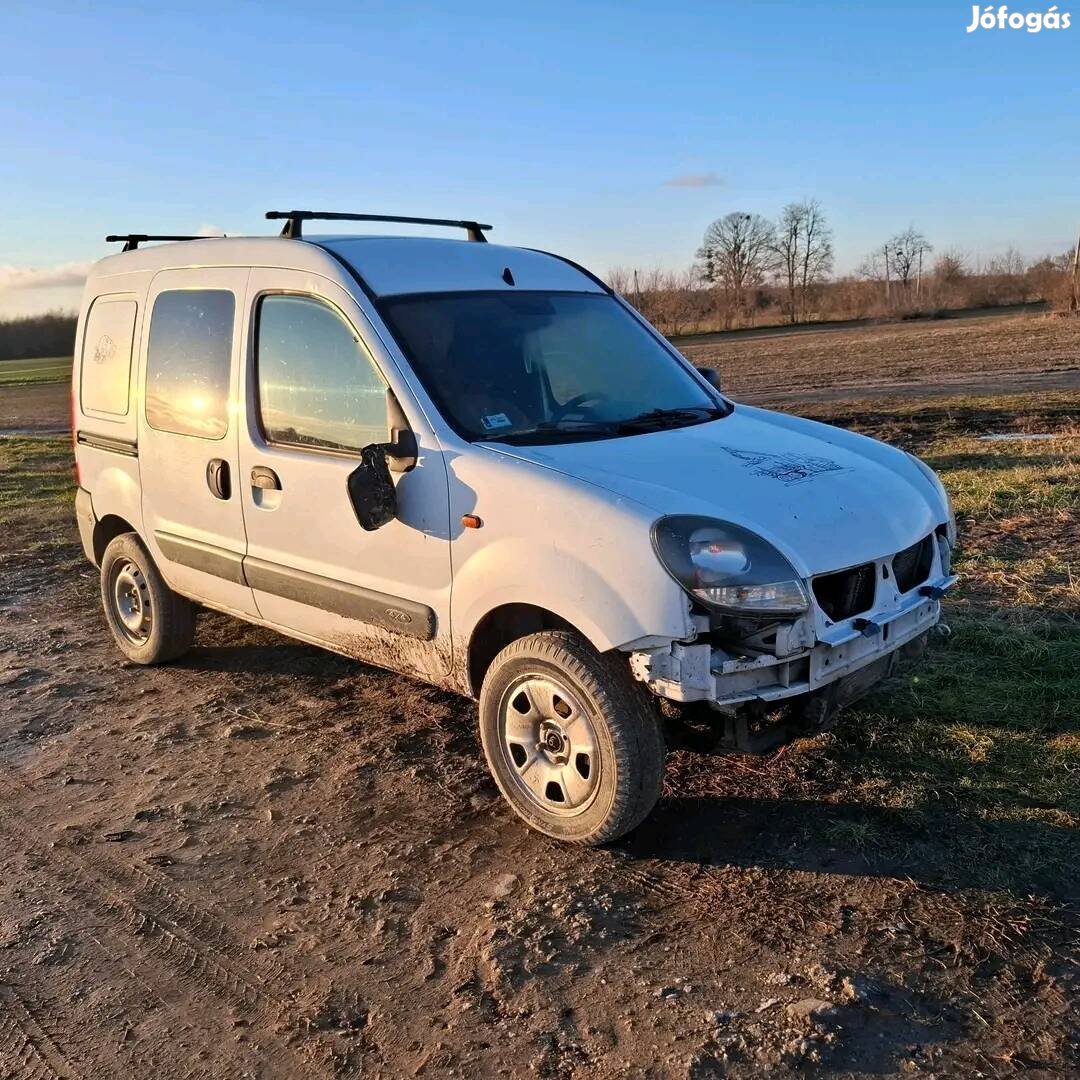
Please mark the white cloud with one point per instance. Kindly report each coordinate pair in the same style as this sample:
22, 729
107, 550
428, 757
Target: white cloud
43, 277
695, 180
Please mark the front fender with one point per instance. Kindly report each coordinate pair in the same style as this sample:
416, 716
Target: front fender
560, 544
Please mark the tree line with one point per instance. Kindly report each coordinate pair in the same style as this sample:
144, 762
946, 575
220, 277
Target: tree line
742, 251
751, 269
30, 336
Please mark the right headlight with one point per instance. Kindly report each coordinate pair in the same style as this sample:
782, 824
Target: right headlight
728, 567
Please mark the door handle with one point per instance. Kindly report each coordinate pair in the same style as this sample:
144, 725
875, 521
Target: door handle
264, 478
218, 479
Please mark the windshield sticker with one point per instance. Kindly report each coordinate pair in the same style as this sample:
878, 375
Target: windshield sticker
789, 469
496, 421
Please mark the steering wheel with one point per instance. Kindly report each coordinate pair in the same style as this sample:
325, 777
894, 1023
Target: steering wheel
576, 402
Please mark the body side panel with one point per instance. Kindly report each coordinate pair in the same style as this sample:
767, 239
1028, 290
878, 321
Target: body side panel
559, 544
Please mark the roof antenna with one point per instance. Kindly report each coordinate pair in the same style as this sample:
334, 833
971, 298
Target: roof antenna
508, 277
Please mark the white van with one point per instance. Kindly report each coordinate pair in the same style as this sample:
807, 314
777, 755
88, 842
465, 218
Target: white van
478, 465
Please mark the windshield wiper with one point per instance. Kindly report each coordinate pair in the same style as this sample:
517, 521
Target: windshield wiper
568, 429
660, 418
552, 430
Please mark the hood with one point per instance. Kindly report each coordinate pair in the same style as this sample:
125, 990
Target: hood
827, 498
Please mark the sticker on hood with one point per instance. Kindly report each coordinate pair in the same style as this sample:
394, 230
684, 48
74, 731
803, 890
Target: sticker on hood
787, 468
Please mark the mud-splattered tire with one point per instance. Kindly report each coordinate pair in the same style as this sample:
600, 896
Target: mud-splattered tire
150, 623
573, 742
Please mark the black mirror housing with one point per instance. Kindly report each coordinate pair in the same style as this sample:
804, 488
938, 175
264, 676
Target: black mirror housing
402, 452
710, 375
371, 490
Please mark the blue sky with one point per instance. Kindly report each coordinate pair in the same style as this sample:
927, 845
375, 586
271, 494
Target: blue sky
560, 123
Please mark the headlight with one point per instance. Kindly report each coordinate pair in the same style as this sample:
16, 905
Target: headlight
728, 567
935, 480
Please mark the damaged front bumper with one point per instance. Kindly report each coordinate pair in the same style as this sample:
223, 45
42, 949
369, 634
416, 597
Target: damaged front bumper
705, 672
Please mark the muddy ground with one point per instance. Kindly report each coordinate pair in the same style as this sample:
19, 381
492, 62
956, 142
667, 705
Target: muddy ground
268, 861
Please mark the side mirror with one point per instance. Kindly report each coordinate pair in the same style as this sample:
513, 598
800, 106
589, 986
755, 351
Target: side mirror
710, 375
401, 452
371, 491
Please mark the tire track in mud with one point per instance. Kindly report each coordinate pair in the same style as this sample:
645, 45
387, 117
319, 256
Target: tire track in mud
189, 942
160, 911
29, 1047
115, 949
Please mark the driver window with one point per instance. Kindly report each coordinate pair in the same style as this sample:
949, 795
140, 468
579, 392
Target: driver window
318, 387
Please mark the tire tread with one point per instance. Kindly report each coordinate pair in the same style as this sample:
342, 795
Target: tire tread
174, 615
631, 718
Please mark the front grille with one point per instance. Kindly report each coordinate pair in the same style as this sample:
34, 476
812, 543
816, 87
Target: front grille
846, 592
911, 566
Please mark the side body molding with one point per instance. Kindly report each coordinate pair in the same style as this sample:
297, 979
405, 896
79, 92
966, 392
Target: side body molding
378, 609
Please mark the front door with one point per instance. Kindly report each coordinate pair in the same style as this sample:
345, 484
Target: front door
188, 434
316, 393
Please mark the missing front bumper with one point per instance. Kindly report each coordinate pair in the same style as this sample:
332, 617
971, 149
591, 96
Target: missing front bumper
706, 673
758, 727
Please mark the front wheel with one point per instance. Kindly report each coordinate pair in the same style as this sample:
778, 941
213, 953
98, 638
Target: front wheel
573, 742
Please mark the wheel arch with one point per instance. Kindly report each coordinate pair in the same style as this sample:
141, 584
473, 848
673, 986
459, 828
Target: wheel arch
108, 529
499, 627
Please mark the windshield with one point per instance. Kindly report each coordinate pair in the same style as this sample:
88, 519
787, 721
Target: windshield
544, 366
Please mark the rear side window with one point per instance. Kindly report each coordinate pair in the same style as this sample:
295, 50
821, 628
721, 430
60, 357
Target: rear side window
318, 387
105, 372
188, 360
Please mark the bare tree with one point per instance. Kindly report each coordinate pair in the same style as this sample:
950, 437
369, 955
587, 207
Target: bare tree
1009, 264
621, 279
817, 253
951, 267
789, 240
872, 268
672, 300
738, 253
906, 251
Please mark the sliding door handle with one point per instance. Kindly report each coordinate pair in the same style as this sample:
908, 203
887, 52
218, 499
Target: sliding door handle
265, 479
218, 479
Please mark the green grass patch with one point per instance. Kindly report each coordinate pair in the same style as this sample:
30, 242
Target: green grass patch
995, 480
973, 759
52, 369
37, 490
988, 722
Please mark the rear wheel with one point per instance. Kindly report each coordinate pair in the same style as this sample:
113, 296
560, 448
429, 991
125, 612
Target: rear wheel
150, 623
572, 741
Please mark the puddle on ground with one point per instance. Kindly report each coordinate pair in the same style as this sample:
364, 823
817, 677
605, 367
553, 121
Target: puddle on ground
1009, 436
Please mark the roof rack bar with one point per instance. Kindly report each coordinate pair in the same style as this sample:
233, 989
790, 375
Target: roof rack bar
133, 240
294, 219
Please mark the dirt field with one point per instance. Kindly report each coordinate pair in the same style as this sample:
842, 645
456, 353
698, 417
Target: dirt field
972, 355
268, 861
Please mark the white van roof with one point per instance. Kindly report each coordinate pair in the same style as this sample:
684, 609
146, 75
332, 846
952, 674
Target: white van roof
385, 265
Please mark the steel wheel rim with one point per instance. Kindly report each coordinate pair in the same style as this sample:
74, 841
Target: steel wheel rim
549, 745
131, 602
